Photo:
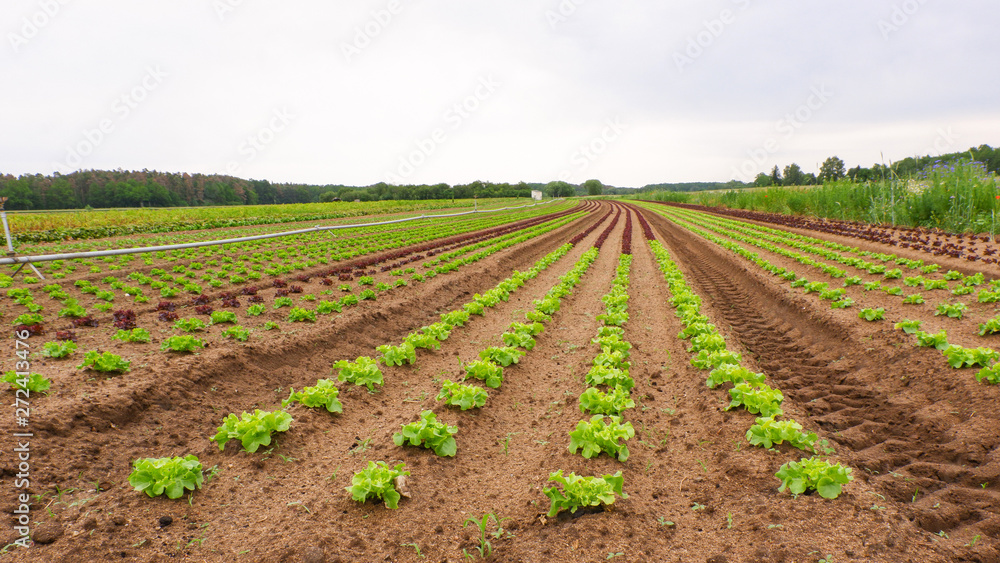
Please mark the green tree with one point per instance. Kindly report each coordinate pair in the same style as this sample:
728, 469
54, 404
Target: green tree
794, 175
559, 188
60, 195
593, 187
762, 180
832, 169
776, 176
20, 195
859, 174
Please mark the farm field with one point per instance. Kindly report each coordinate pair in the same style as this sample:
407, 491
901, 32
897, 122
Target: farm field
500, 326
48, 226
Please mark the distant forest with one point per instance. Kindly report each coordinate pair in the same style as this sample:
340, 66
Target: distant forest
150, 188
146, 188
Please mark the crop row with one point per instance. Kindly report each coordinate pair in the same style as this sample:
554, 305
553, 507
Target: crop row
378, 479
160, 221
916, 238
604, 432
72, 309
966, 283
809, 245
107, 362
248, 260
749, 390
957, 356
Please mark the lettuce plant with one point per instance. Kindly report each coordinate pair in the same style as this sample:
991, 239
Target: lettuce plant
710, 360
170, 475
710, 342
991, 326
396, 355
959, 357
580, 491
503, 356
104, 362
937, 340
767, 432
181, 343
429, 433
133, 335
191, 324
219, 317
327, 307
486, 371
252, 430
237, 333
871, 314
363, 371
596, 436
464, 396
29, 319
952, 310
323, 394
421, 340
455, 318
813, 474
34, 383
58, 349
378, 481
732, 373
610, 376
990, 374
71, 308
756, 399
908, 326
594, 401
298, 314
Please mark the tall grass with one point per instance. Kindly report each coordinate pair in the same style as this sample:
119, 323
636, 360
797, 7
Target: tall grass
957, 198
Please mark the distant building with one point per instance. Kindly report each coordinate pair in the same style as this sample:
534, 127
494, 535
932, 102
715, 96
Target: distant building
536, 195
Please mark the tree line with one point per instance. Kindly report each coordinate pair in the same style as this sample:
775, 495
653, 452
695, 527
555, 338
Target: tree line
146, 188
833, 168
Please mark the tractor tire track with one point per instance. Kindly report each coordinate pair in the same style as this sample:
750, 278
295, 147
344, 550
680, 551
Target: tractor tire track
908, 450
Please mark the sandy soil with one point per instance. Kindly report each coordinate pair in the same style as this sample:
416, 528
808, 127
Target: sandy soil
919, 436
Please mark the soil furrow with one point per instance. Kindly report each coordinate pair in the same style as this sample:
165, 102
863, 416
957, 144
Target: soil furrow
828, 379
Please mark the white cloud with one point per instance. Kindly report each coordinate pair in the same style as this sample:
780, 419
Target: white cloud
356, 116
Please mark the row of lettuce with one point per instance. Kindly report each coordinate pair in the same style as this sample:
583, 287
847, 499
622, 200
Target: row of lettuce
606, 399
28, 324
379, 480
243, 264
956, 356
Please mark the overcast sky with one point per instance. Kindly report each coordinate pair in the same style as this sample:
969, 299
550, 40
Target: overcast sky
629, 91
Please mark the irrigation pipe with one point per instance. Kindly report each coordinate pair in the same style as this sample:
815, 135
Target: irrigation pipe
140, 250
